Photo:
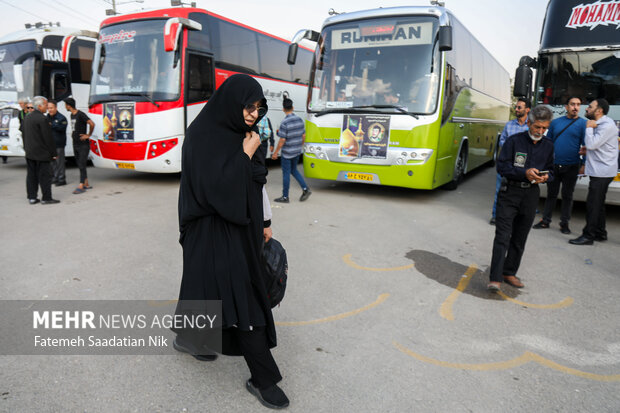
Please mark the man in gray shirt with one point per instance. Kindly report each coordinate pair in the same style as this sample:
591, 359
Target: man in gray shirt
601, 167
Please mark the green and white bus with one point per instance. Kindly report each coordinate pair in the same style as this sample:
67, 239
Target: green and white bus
401, 96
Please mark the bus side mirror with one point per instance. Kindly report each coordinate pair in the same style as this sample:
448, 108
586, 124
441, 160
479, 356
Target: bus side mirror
523, 78
292, 53
19, 77
445, 38
173, 29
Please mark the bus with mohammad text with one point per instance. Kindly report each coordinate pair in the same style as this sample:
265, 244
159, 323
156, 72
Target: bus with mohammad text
579, 56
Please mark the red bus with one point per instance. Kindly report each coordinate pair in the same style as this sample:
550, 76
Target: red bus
154, 71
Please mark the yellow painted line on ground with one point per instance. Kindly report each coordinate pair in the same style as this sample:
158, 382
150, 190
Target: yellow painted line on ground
524, 358
347, 259
446, 307
568, 301
378, 301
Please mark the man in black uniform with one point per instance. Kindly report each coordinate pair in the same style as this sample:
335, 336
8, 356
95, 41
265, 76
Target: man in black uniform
525, 161
40, 151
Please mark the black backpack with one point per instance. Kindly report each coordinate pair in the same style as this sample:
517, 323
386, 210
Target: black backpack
276, 271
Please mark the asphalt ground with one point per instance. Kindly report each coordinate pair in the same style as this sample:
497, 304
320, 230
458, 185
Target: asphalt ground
386, 308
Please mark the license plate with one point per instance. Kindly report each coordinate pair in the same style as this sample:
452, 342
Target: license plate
125, 165
4, 148
358, 176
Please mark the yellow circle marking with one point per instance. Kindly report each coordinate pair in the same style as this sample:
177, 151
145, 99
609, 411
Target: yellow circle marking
524, 358
446, 307
347, 259
568, 301
378, 301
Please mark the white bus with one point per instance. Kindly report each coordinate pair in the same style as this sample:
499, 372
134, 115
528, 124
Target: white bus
54, 62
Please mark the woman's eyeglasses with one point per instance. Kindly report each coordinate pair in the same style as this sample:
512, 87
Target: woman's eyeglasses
262, 111
30, 107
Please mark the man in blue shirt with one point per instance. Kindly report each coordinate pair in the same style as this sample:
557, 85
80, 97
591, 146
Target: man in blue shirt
521, 163
520, 124
292, 133
567, 134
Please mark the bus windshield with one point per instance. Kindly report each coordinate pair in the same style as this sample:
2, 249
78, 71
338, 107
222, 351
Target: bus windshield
382, 63
9, 52
131, 64
588, 75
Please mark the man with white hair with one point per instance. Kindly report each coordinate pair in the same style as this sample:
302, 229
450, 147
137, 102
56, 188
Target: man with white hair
40, 151
525, 161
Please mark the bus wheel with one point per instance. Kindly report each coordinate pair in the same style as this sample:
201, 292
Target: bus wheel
459, 170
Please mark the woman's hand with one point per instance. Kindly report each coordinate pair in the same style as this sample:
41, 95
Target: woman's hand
267, 234
251, 143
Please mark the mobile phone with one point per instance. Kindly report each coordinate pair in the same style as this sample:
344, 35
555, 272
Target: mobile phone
543, 172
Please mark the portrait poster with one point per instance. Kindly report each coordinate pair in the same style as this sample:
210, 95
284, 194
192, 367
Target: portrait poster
118, 121
376, 139
364, 136
5, 121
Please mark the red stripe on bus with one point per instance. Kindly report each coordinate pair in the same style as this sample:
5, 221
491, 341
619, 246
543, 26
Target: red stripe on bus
225, 74
184, 12
123, 151
66, 43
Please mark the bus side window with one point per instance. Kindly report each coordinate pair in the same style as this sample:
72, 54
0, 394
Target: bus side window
449, 94
200, 84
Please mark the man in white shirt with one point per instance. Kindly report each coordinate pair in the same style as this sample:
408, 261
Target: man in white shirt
601, 166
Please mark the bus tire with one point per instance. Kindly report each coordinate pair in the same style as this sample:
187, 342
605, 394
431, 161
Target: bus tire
459, 170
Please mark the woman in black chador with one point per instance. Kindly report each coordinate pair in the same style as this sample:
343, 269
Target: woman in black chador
221, 224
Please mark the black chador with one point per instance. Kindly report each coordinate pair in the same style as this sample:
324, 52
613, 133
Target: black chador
221, 214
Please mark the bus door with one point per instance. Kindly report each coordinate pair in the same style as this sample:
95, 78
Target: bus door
199, 83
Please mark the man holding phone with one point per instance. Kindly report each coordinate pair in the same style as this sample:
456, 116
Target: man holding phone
567, 134
521, 163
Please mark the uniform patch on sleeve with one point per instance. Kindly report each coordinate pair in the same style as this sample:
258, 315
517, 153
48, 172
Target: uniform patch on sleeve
520, 158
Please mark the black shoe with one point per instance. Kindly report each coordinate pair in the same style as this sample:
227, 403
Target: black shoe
33, 201
492, 221
541, 224
50, 201
272, 397
283, 199
61, 183
582, 240
305, 195
564, 229
183, 349
600, 238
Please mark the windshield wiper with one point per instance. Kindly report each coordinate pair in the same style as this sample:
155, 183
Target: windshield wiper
141, 94
361, 109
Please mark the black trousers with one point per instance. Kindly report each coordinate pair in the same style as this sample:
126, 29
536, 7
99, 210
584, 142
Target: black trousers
595, 207
59, 165
39, 173
566, 176
257, 355
81, 159
516, 210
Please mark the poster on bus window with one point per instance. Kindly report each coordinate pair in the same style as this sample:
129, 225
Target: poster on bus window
5, 121
364, 136
118, 121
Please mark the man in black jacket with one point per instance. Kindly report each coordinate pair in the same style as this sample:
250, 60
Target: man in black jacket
40, 151
59, 132
525, 161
